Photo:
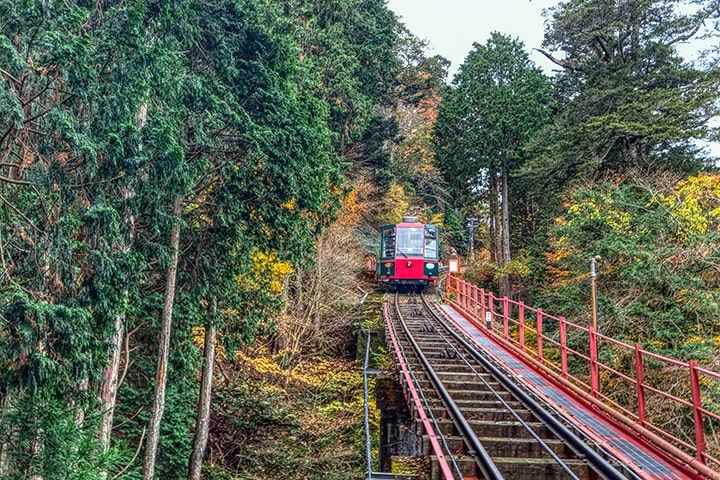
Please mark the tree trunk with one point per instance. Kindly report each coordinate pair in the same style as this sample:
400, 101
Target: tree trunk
108, 386
317, 297
107, 390
203, 418
495, 223
4, 443
164, 350
505, 233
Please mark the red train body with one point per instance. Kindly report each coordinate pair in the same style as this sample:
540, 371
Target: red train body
409, 254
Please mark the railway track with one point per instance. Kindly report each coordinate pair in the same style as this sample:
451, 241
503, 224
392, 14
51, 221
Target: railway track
487, 426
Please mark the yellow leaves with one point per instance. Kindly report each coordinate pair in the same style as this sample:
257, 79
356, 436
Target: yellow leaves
695, 204
271, 270
319, 374
557, 272
197, 336
601, 209
262, 362
438, 220
350, 211
396, 204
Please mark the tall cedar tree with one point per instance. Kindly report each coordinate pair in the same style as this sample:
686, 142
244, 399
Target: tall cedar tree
498, 103
111, 133
69, 98
630, 101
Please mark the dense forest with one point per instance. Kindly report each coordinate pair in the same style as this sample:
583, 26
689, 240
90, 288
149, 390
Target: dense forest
188, 190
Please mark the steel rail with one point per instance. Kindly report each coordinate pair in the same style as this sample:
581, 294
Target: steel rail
602, 466
411, 380
543, 444
482, 457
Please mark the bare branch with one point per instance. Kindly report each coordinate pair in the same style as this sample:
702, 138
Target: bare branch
557, 61
16, 182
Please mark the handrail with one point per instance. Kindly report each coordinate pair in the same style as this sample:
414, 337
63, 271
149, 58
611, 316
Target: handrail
571, 354
366, 403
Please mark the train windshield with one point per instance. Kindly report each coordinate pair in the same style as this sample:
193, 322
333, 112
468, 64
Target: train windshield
431, 242
410, 241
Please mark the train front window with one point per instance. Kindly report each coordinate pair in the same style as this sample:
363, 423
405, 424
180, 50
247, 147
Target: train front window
431, 242
388, 242
410, 241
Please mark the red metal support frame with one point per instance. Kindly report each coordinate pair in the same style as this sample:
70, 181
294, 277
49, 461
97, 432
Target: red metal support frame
475, 300
640, 375
506, 318
563, 348
521, 320
697, 411
594, 368
466, 296
483, 306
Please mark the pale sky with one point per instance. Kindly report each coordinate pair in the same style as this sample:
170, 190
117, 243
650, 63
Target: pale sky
452, 26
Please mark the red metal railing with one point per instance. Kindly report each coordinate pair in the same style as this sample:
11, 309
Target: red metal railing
673, 404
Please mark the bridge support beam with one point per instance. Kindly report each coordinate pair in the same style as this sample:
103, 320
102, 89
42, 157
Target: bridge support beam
398, 437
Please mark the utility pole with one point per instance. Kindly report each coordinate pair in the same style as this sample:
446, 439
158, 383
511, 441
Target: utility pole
593, 286
472, 225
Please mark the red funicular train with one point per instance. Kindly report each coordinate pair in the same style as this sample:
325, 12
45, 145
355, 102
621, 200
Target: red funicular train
408, 255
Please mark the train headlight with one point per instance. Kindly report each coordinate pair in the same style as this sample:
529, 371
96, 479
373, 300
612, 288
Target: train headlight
409, 264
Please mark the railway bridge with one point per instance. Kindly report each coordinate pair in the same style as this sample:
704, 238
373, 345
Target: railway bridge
489, 388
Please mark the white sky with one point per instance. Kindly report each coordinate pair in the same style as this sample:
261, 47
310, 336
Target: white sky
452, 26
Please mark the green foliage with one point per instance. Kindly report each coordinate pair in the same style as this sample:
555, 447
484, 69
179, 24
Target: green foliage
629, 100
49, 439
109, 113
656, 282
454, 234
498, 103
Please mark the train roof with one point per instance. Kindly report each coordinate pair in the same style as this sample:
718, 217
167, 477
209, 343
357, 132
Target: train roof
408, 222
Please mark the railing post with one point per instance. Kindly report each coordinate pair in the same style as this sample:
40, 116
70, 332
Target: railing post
506, 319
475, 302
491, 310
483, 318
460, 288
594, 369
539, 335
521, 321
563, 347
640, 378
465, 296
697, 413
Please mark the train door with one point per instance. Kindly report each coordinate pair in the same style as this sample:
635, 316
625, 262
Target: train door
431, 242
